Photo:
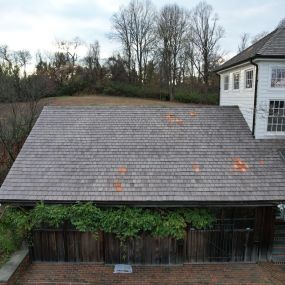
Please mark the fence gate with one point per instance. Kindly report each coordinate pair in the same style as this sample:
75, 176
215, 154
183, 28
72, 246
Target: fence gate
219, 246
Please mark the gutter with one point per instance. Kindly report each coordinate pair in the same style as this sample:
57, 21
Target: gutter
151, 204
220, 86
255, 97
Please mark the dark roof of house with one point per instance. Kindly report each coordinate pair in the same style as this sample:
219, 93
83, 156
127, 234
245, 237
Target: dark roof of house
145, 154
272, 45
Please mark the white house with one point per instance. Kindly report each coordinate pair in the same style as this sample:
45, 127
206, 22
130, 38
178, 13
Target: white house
254, 80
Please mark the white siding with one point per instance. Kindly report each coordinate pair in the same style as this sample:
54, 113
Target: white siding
264, 94
244, 97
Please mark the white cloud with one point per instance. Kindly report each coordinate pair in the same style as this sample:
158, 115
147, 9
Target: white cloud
35, 25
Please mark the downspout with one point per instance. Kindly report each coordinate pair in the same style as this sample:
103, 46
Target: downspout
255, 97
220, 86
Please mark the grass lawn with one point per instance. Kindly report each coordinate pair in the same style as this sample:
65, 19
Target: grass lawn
92, 100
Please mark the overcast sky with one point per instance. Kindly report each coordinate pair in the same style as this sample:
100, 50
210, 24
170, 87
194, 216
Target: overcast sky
35, 24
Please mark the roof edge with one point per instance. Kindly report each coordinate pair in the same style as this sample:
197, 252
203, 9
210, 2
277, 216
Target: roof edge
267, 37
234, 64
150, 204
249, 59
182, 106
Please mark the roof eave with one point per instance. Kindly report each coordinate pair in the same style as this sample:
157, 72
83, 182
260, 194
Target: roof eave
269, 56
233, 65
150, 204
248, 60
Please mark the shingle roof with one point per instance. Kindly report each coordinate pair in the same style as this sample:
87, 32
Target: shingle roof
145, 154
272, 45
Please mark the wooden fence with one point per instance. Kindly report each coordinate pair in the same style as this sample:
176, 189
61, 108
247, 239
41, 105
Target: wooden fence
197, 246
66, 245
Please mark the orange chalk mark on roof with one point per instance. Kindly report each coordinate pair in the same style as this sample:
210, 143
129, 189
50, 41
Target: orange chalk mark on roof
193, 114
196, 167
261, 162
171, 118
179, 121
122, 169
118, 186
239, 165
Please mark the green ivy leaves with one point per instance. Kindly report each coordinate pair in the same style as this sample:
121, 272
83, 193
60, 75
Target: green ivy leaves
124, 222
14, 224
197, 218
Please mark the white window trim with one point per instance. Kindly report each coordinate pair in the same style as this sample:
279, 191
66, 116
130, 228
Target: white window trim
226, 90
273, 133
271, 67
253, 79
236, 72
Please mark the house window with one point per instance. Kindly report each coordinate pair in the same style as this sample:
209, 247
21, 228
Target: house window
236, 81
248, 78
226, 82
278, 77
276, 116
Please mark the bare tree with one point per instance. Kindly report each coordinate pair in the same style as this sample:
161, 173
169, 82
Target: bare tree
91, 60
23, 57
117, 68
258, 37
121, 25
244, 38
15, 125
172, 29
22, 97
142, 33
70, 49
206, 35
133, 26
281, 23
12, 59
6, 56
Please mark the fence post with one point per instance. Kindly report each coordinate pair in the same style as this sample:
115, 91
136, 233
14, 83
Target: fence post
65, 242
246, 243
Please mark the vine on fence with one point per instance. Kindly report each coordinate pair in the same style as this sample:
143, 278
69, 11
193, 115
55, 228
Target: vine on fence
124, 222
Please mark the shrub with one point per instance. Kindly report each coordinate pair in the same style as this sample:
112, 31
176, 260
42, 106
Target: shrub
72, 86
13, 229
99, 88
196, 97
137, 91
182, 95
109, 90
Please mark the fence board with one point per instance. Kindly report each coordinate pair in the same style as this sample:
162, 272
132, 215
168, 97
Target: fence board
66, 245
197, 246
